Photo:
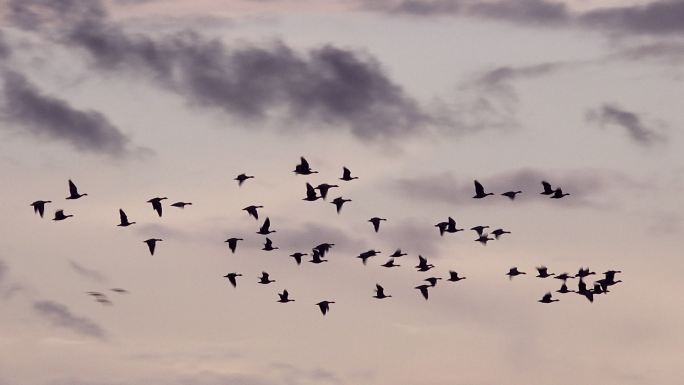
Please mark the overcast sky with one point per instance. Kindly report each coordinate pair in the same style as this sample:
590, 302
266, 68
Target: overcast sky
134, 99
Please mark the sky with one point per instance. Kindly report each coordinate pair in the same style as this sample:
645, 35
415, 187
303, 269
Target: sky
135, 99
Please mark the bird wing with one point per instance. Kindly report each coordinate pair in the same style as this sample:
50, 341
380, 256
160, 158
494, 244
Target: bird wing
72, 188
266, 225
547, 186
310, 192
479, 190
40, 209
156, 205
232, 280
304, 163
150, 245
346, 174
379, 290
268, 243
423, 290
122, 216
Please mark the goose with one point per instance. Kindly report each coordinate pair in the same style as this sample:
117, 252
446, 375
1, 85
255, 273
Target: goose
338, 202
156, 204
513, 271
298, 257
548, 190
324, 187
73, 191
346, 175
432, 281
181, 205
310, 194
442, 226
543, 272
232, 278
303, 168
453, 276
397, 253
324, 306
558, 194
564, 276
124, 219
367, 254
479, 191
232, 243
582, 290
599, 288
610, 276
483, 239
584, 272
284, 297
499, 232
119, 290
39, 207
547, 299
423, 265
252, 211
268, 245
376, 222
380, 292
265, 228
389, 263
451, 226
564, 289
152, 244
317, 257
323, 248
264, 280
479, 229
511, 194
242, 178
423, 290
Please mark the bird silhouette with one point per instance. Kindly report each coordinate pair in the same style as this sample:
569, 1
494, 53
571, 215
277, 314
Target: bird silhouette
232, 278
317, 258
547, 299
181, 205
442, 226
232, 243
558, 194
265, 228
242, 178
252, 211
423, 265
397, 253
451, 226
152, 244
548, 190
600, 288
380, 292
479, 191
483, 239
323, 248
543, 272
511, 194
479, 229
298, 257
324, 306
610, 276
389, 263
73, 191
264, 279
156, 204
310, 193
324, 187
119, 290
582, 290
346, 175
284, 297
432, 280
39, 207
303, 168
584, 272
514, 272
124, 219
367, 254
564, 289
339, 202
499, 232
268, 245
423, 290
564, 277
453, 276
376, 222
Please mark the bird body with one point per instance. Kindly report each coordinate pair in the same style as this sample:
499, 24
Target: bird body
252, 211
339, 202
380, 292
432, 280
558, 194
389, 263
479, 191
397, 253
543, 272
303, 168
156, 204
123, 218
367, 254
453, 276
548, 190
39, 207
284, 297
547, 299
514, 272
73, 191
499, 232
451, 226
152, 244
242, 178
423, 265
479, 229
483, 239
511, 194
376, 222
268, 245
346, 175
324, 306
181, 205
324, 187
232, 278
310, 193
264, 279
265, 228
423, 290
232, 243
298, 257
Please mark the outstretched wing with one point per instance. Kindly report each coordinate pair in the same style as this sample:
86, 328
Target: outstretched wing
479, 190
156, 205
122, 216
72, 188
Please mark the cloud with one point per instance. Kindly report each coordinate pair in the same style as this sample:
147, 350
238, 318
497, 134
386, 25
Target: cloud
85, 272
5, 50
305, 236
610, 115
657, 17
60, 315
44, 116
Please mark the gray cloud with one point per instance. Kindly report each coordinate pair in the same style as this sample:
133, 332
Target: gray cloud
523, 11
88, 273
48, 117
5, 50
60, 315
667, 52
610, 115
657, 17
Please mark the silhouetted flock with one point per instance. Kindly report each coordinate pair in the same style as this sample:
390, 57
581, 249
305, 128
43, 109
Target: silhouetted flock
318, 252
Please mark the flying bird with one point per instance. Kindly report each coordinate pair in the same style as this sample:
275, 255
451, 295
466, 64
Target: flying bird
124, 219
548, 190
60, 216
367, 254
324, 306
317, 257
73, 191
264, 279
543, 272
268, 245
252, 211
39, 207
303, 168
451, 226
479, 229
423, 290
511, 194
564, 277
547, 299
298, 257
152, 244
479, 191
483, 239
453, 276
310, 194
338, 202
442, 226
376, 222
284, 297
564, 289
156, 204
397, 253
514, 272
423, 265
265, 228
242, 178
181, 205
346, 175
432, 281
380, 292
582, 290
232, 243
324, 187
558, 194
119, 290
389, 263
584, 272
323, 248
232, 278
499, 232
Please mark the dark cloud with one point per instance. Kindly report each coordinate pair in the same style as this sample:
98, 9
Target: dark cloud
44, 116
657, 17
88, 273
523, 11
60, 315
668, 52
632, 123
5, 50
328, 85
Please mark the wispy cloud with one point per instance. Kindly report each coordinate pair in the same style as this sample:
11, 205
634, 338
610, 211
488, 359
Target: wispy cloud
60, 315
632, 123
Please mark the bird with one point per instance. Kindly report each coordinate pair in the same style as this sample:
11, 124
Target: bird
367, 254
558, 194
119, 290
323, 248
303, 168
511, 194
380, 292
376, 222
268, 245
310, 194
181, 205
499, 232
564, 277
232, 278
483, 239
610, 276
548, 190
564, 289
242, 178
60, 216
397, 253
442, 226
584, 272
39, 207
389, 263
317, 258
103, 301
582, 290
232, 243
547, 299
338, 202
284, 297
264, 278
346, 175
479, 191
324, 187
423, 290
95, 294
124, 219
479, 229
453, 276
513, 271
600, 288
451, 226
252, 211
152, 244
543, 272
432, 281
265, 228
298, 257
423, 265
324, 306
156, 204
73, 191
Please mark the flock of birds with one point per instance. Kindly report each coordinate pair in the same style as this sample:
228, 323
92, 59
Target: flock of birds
318, 252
